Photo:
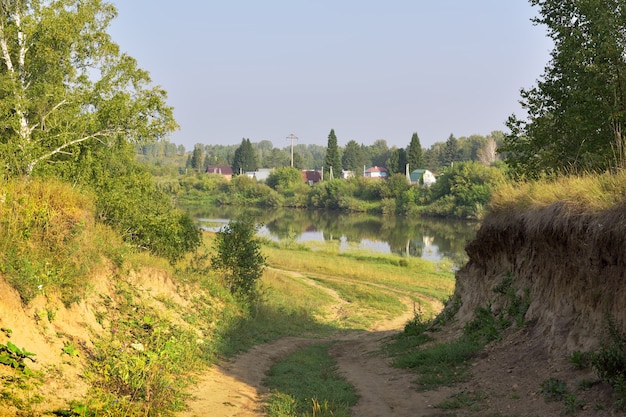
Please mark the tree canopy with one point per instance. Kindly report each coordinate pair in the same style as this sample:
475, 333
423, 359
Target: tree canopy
65, 85
577, 110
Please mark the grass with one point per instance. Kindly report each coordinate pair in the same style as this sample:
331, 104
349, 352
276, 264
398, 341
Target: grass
595, 192
306, 383
412, 276
139, 363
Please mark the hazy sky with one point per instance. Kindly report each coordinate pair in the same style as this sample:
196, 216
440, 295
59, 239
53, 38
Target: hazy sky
371, 70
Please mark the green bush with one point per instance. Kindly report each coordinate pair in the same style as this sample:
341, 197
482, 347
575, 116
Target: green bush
238, 256
464, 190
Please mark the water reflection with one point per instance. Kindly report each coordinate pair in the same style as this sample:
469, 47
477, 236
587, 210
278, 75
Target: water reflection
427, 238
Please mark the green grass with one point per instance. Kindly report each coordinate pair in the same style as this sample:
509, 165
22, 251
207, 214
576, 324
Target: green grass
307, 383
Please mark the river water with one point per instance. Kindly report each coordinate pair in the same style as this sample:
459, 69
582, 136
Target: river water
429, 238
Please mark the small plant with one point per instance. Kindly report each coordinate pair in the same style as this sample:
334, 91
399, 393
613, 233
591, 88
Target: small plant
69, 349
554, 389
580, 360
609, 362
14, 357
572, 404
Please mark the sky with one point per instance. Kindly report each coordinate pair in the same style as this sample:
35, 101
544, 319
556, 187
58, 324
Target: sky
370, 70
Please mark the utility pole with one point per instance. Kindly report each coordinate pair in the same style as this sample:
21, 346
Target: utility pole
292, 137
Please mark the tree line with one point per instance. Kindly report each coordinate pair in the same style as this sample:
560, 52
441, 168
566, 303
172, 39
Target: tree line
250, 156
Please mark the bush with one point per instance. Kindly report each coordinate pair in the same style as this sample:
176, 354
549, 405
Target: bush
145, 216
464, 190
239, 258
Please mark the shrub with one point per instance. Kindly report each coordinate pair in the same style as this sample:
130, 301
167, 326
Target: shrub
239, 258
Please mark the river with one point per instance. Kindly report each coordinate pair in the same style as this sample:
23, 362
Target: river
429, 238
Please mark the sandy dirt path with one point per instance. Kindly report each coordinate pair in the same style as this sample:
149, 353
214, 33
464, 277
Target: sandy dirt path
234, 388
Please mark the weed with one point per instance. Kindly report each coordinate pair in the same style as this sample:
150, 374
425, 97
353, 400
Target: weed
553, 389
572, 404
69, 349
580, 360
14, 357
609, 362
7, 332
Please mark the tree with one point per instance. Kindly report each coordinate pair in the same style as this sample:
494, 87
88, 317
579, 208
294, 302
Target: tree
284, 178
414, 153
332, 160
238, 256
378, 152
245, 158
196, 157
576, 112
488, 154
450, 151
65, 86
352, 158
396, 164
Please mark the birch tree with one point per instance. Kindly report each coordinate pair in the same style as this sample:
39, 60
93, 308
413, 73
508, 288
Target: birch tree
65, 85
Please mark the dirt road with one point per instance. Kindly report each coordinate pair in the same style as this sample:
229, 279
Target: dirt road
235, 388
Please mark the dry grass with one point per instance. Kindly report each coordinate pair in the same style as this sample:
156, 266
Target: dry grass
588, 192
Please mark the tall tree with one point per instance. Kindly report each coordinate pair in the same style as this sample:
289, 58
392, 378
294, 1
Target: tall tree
196, 157
65, 86
352, 158
379, 152
396, 164
450, 151
332, 158
245, 158
577, 110
414, 153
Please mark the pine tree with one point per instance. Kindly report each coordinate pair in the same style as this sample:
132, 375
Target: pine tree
332, 158
414, 153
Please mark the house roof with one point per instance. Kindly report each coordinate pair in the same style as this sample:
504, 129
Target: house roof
219, 169
314, 176
376, 169
416, 174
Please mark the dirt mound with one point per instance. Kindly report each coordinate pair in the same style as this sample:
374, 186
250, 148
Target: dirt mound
567, 263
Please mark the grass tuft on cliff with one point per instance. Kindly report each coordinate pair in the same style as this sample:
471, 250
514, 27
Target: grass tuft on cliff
589, 192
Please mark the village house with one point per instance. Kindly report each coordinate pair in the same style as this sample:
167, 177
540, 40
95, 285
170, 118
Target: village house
223, 170
376, 172
422, 176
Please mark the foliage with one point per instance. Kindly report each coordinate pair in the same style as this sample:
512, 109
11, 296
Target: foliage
129, 201
239, 257
554, 389
332, 159
13, 356
48, 240
464, 190
609, 362
65, 86
576, 112
352, 158
414, 154
309, 375
136, 368
286, 178
245, 158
